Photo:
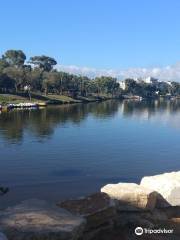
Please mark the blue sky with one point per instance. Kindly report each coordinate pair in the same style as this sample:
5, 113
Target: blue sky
101, 34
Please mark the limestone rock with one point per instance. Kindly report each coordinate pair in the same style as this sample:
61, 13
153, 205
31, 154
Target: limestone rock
167, 184
131, 196
35, 219
98, 209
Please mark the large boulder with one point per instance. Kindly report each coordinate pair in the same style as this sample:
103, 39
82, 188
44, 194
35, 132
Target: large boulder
98, 210
35, 219
131, 196
167, 184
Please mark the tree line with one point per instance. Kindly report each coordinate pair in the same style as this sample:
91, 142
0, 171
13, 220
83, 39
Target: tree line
39, 74
147, 90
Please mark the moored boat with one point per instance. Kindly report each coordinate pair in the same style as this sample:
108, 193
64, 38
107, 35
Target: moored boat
133, 97
25, 105
21, 105
41, 104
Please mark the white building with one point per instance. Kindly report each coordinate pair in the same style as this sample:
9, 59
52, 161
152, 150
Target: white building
151, 80
122, 85
148, 80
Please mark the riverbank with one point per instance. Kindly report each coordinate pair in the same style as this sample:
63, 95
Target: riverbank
112, 214
54, 99
6, 99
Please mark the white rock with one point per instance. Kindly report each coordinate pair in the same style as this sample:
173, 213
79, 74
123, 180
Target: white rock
167, 184
35, 219
131, 195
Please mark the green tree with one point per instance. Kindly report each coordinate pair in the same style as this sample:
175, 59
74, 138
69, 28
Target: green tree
6, 84
3, 65
106, 85
17, 74
43, 62
51, 82
14, 57
175, 88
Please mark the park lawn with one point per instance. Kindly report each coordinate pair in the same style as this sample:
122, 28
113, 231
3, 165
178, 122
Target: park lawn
11, 98
49, 99
61, 98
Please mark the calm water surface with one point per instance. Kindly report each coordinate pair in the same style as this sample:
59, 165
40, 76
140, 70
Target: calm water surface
68, 151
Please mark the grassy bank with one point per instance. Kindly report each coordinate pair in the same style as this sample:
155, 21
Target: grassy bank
11, 98
49, 99
21, 98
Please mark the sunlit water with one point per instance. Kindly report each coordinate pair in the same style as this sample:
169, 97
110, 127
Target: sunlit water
69, 151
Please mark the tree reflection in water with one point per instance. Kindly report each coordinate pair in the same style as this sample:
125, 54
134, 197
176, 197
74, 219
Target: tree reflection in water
43, 122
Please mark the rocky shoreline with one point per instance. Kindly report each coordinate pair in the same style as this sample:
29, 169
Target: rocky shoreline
112, 214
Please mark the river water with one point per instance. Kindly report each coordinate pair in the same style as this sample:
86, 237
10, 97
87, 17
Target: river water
69, 151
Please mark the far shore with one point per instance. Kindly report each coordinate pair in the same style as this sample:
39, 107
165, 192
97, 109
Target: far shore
21, 99
6, 99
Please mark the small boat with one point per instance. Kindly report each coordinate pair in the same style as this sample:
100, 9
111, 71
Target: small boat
133, 97
22, 105
41, 104
136, 97
25, 105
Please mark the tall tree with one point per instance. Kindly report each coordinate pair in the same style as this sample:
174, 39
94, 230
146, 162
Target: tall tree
43, 62
17, 74
3, 64
14, 57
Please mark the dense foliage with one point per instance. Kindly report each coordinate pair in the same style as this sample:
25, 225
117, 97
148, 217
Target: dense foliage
39, 75
151, 90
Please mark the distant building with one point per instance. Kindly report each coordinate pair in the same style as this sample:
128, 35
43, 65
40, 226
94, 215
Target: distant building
151, 80
148, 80
122, 85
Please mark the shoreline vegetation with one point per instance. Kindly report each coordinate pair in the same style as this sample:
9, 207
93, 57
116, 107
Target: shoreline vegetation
21, 97
38, 80
13, 101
